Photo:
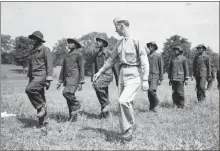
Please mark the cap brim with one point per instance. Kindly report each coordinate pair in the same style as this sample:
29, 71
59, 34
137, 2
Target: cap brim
69, 40
32, 36
177, 48
104, 41
148, 45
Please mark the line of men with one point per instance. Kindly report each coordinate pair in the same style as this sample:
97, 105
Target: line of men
136, 67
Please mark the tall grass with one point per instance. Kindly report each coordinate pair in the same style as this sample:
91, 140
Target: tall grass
196, 127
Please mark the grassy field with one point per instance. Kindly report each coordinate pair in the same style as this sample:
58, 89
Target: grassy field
196, 127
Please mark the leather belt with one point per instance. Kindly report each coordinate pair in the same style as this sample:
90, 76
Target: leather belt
127, 65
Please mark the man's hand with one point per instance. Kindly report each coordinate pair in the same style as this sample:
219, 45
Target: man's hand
79, 87
96, 76
47, 85
186, 82
170, 83
145, 86
58, 85
159, 82
191, 78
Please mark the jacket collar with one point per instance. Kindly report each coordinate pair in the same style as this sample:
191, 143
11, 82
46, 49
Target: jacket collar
152, 54
72, 52
39, 48
101, 51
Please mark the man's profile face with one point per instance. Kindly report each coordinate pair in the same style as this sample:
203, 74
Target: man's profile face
152, 48
35, 41
99, 44
119, 29
200, 49
176, 51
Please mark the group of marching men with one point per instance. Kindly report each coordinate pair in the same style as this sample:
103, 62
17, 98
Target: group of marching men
136, 67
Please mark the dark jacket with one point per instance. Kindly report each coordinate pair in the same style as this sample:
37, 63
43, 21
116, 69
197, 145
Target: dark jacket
41, 63
178, 69
98, 60
202, 66
72, 71
218, 76
156, 66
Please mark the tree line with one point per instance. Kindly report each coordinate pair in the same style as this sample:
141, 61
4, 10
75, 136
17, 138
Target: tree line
16, 51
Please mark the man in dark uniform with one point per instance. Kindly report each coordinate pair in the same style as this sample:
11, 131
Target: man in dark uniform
201, 71
40, 75
155, 74
101, 86
218, 78
209, 86
178, 75
72, 77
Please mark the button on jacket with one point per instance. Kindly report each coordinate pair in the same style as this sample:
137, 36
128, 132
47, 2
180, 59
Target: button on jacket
41, 63
178, 69
202, 66
98, 60
72, 71
156, 66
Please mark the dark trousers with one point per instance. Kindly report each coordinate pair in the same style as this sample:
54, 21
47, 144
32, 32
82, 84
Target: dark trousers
102, 94
178, 93
200, 86
69, 94
152, 93
35, 91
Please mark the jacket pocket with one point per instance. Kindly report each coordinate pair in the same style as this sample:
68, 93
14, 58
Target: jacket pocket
130, 57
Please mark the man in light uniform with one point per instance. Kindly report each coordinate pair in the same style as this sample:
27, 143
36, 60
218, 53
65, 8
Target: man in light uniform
131, 57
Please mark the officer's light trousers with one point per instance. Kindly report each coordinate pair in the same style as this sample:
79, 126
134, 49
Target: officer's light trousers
129, 82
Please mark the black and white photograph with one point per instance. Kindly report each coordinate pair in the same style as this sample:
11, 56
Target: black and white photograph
110, 75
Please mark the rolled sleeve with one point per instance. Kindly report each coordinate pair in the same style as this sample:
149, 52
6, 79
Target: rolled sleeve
144, 62
49, 64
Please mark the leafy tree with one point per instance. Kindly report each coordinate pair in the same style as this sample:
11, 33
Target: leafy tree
213, 56
88, 43
167, 53
22, 50
7, 46
59, 51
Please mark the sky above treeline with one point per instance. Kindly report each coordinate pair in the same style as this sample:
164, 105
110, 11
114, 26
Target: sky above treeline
149, 21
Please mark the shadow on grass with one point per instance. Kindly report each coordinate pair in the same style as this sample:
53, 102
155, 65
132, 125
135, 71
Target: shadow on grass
142, 109
59, 117
166, 105
19, 71
89, 115
110, 136
28, 123
115, 112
